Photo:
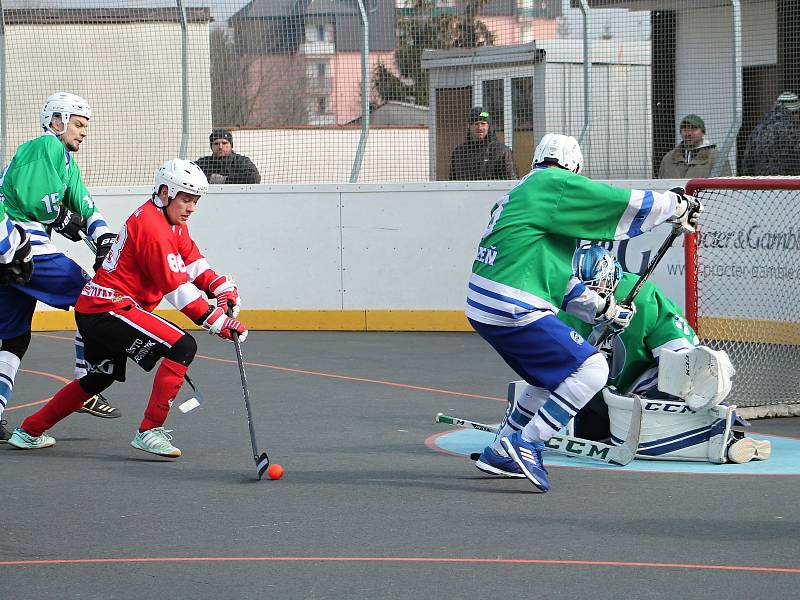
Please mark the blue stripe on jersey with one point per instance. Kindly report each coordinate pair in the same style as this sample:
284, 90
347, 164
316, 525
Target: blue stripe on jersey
501, 297
5, 233
493, 311
647, 205
95, 225
575, 292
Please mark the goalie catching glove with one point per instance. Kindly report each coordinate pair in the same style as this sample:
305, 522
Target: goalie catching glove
226, 294
69, 224
616, 315
218, 323
687, 211
20, 269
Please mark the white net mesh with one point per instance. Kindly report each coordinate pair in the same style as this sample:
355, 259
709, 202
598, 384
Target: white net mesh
741, 287
286, 78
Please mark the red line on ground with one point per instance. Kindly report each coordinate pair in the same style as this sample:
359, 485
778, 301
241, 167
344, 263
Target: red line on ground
43, 374
400, 559
360, 379
329, 375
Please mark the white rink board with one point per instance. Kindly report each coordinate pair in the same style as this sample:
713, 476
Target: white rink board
405, 246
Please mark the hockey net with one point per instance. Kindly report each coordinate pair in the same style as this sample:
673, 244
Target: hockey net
742, 281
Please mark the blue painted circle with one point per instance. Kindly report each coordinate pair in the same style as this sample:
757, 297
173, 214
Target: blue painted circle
785, 459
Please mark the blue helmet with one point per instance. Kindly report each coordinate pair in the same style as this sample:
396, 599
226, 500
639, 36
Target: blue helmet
597, 268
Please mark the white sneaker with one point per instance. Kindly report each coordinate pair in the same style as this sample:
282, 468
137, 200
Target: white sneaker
747, 449
156, 441
24, 441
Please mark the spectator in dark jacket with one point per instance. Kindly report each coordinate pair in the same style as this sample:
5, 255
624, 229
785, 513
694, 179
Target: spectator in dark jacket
481, 156
224, 165
695, 156
773, 148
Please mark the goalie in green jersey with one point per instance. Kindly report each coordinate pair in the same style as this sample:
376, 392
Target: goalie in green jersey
684, 415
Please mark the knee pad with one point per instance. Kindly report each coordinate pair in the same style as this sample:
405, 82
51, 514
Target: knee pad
94, 383
183, 351
18, 345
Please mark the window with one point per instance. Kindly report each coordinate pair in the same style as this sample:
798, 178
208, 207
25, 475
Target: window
493, 102
322, 105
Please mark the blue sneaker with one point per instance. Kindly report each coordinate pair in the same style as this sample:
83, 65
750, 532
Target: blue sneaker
528, 455
494, 463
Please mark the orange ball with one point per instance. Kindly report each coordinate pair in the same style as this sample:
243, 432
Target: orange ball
275, 471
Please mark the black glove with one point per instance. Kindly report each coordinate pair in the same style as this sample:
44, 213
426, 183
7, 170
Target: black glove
104, 243
69, 224
20, 269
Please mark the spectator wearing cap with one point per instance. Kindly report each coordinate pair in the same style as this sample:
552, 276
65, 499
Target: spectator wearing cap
694, 156
773, 147
224, 165
481, 156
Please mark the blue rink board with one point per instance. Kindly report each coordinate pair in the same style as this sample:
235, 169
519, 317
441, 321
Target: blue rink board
785, 459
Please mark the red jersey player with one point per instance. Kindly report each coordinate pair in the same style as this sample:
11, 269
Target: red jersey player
153, 258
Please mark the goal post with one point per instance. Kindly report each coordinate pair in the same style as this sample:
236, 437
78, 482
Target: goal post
743, 286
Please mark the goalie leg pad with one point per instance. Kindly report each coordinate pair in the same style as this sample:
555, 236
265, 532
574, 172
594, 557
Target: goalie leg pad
672, 430
700, 376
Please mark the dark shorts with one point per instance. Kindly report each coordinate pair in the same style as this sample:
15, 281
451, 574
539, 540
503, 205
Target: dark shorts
57, 281
544, 353
110, 338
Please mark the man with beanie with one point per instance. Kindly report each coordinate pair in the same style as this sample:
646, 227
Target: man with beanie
773, 147
481, 156
694, 156
224, 165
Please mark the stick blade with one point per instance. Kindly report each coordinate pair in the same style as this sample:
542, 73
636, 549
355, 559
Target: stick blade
262, 464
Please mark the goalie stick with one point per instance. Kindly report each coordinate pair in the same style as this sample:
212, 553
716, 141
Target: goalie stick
611, 331
575, 446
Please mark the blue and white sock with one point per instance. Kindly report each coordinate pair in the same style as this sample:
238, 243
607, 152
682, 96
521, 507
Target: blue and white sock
80, 362
9, 364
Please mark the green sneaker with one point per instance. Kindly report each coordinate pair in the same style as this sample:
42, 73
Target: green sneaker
22, 440
156, 441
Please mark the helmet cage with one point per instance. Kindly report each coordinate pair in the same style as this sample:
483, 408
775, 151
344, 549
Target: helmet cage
597, 268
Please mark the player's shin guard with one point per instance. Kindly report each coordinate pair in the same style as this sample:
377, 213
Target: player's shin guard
567, 399
9, 364
166, 385
69, 399
80, 362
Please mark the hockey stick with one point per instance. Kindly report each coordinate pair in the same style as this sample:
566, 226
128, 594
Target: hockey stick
610, 331
262, 460
574, 446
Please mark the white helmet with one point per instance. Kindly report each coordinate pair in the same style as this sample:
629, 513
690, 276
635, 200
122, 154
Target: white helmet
179, 176
66, 105
562, 150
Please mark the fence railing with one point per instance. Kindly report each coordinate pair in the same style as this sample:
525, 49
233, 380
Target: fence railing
350, 90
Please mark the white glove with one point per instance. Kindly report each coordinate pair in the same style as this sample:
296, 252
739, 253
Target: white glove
687, 213
216, 178
618, 316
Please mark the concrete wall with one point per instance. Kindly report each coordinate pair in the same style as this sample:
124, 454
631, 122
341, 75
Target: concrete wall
349, 256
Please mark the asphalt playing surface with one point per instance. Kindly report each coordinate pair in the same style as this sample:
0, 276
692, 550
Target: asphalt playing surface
369, 507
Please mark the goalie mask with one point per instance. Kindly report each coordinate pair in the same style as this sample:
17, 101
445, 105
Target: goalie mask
561, 150
179, 176
65, 105
597, 268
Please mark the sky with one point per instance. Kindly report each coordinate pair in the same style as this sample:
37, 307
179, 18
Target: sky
621, 24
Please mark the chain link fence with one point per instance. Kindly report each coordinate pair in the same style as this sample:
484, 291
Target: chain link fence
333, 91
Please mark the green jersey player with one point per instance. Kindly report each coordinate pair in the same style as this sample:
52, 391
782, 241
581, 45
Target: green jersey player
522, 277
42, 192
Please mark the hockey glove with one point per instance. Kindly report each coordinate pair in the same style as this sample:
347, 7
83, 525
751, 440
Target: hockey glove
218, 323
618, 316
687, 212
226, 294
20, 269
103, 243
69, 224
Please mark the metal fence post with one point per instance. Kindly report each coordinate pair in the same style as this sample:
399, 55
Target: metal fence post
584, 140
184, 81
3, 123
362, 142
733, 131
